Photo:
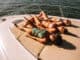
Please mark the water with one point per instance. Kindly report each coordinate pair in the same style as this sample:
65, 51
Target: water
67, 8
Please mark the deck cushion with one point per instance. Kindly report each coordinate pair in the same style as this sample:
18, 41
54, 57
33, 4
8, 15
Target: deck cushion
31, 45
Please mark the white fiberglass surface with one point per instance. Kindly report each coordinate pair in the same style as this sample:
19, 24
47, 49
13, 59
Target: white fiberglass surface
10, 48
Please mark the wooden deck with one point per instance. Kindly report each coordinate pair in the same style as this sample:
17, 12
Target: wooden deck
69, 50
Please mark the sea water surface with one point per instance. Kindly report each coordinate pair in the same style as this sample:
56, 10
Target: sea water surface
66, 8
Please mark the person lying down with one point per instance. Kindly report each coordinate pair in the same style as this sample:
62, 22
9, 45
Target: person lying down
43, 28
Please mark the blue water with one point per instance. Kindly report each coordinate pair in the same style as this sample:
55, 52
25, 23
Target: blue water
67, 8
